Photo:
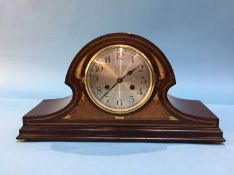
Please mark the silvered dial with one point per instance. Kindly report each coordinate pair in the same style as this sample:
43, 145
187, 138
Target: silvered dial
119, 79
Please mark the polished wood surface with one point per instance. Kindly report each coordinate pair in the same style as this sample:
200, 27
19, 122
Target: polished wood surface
163, 118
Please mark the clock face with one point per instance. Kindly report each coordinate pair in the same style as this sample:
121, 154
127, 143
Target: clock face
119, 79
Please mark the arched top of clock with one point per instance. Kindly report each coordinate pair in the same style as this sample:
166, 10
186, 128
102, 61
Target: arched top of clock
148, 48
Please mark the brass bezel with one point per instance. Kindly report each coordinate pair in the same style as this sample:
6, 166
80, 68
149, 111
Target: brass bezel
139, 104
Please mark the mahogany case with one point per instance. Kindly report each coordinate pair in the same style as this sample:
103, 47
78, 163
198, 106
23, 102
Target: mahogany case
163, 118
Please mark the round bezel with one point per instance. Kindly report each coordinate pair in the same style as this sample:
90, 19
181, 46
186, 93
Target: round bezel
139, 104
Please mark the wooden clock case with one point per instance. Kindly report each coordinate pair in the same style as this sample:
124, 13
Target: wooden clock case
163, 118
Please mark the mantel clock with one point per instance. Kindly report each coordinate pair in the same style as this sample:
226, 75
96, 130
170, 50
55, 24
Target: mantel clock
119, 88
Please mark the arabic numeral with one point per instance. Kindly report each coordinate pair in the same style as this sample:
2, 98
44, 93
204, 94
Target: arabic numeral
107, 98
140, 68
98, 68
131, 100
140, 91
119, 102
120, 55
107, 59
95, 78
143, 80
99, 90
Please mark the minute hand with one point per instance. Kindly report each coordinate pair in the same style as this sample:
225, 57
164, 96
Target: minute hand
110, 89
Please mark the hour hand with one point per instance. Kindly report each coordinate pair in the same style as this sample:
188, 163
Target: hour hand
129, 73
110, 89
